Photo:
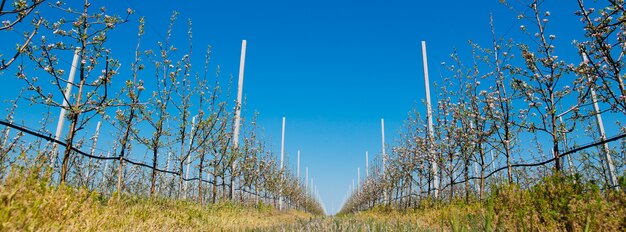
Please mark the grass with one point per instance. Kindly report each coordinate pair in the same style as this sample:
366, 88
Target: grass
367, 221
31, 204
557, 203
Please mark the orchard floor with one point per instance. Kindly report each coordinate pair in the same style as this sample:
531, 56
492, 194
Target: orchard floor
555, 204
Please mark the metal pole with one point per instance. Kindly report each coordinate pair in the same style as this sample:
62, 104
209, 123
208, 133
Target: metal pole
477, 186
382, 125
167, 167
429, 115
169, 158
367, 167
193, 124
282, 157
476, 181
104, 172
358, 174
569, 158
493, 161
93, 149
282, 146
242, 62
95, 138
306, 182
68, 92
298, 175
605, 146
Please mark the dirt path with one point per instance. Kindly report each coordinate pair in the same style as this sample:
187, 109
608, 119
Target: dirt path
330, 223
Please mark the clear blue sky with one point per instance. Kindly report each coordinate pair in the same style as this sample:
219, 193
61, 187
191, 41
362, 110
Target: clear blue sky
332, 68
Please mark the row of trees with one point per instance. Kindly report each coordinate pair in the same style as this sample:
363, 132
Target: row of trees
157, 105
514, 102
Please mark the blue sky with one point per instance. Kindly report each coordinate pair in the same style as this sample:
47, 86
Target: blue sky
332, 68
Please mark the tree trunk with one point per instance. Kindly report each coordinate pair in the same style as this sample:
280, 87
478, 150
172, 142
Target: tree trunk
74, 115
466, 173
451, 178
555, 149
201, 167
123, 151
181, 165
214, 194
481, 191
223, 178
508, 159
428, 180
120, 169
154, 172
410, 191
256, 191
182, 162
68, 148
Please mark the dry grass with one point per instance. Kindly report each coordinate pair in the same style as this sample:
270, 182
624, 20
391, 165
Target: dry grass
31, 204
557, 203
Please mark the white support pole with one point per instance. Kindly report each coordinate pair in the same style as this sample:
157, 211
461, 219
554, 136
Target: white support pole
493, 162
167, 167
242, 62
282, 146
358, 179
429, 115
106, 166
93, 149
569, 157
95, 138
298, 175
193, 126
306, 182
282, 158
67, 95
476, 183
382, 125
605, 146
367, 167
169, 158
